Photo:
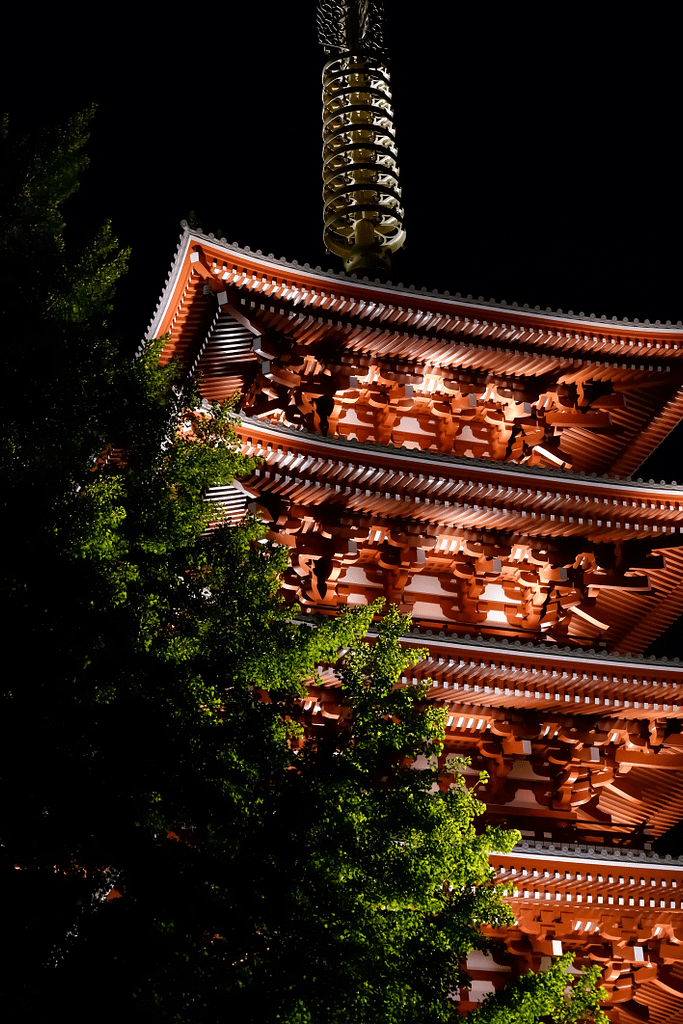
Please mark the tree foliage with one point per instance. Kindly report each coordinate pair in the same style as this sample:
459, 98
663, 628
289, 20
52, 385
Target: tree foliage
174, 848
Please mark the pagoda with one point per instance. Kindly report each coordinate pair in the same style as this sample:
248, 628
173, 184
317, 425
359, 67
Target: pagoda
472, 463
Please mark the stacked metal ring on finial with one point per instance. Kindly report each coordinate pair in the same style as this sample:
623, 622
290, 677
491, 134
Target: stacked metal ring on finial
361, 192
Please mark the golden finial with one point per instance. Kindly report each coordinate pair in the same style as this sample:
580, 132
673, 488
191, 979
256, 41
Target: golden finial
363, 216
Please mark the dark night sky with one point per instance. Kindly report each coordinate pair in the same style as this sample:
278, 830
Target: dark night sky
537, 156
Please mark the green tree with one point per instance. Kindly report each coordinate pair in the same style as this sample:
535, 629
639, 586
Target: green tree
174, 847
58, 398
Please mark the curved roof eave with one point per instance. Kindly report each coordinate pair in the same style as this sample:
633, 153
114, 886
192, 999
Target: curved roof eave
433, 461
542, 651
534, 314
594, 854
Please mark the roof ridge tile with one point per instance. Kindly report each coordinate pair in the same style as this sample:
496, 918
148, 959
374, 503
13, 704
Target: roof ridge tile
502, 304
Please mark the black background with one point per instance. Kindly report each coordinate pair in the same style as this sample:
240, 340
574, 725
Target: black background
539, 158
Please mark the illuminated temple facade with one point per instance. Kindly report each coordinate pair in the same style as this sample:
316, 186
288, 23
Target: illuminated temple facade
471, 462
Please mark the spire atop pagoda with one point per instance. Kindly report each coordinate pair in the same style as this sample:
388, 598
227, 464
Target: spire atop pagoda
363, 215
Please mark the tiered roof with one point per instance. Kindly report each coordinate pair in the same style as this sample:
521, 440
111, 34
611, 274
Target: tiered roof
470, 461
610, 391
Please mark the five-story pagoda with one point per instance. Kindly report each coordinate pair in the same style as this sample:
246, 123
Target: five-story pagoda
472, 462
